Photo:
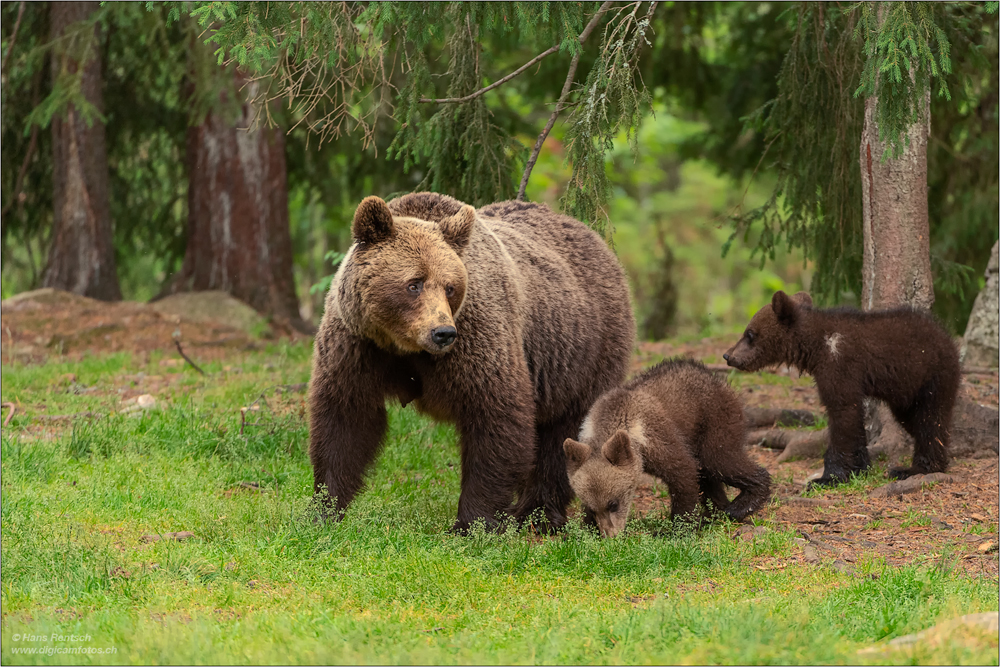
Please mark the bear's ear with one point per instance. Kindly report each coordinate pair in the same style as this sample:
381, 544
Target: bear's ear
803, 299
577, 454
372, 221
784, 307
457, 229
618, 450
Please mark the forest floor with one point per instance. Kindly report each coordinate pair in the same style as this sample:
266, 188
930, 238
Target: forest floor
161, 510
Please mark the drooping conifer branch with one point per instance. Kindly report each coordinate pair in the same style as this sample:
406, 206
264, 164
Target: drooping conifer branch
500, 82
567, 86
13, 37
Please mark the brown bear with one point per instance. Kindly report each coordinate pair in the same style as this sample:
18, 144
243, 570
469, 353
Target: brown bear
901, 356
675, 421
508, 321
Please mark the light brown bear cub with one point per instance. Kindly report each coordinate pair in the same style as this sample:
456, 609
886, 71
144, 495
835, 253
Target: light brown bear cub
675, 421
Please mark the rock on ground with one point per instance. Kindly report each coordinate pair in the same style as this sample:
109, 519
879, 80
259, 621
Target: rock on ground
210, 306
963, 628
982, 333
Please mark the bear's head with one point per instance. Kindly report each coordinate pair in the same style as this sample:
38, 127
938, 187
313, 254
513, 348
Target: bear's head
604, 480
769, 338
403, 283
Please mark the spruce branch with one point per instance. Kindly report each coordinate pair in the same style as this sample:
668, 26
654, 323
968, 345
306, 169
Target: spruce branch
10, 45
567, 86
500, 82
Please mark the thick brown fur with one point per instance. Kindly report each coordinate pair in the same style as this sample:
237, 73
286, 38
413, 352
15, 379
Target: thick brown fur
675, 421
508, 321
901, 356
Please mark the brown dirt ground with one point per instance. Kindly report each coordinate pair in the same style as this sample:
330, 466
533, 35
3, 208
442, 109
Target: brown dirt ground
73, 327
955, 521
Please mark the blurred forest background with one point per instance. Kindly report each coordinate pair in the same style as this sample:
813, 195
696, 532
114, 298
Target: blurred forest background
150, 148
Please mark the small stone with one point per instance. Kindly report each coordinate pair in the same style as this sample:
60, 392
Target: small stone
810, 554
749, 533
842, 567
987, 547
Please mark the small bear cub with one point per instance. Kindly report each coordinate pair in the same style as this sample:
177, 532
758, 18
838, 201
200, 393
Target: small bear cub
901, 356
675, 421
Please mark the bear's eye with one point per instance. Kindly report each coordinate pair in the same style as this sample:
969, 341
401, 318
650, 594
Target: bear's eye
613, 506
415, 287
750, 336
449, 291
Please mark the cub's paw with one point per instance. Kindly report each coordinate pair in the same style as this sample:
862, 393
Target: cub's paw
826, 481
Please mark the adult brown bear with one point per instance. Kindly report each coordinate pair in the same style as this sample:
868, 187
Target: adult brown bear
508, 321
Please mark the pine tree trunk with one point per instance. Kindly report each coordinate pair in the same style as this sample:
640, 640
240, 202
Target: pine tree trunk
238, 237
897, 260
81, 257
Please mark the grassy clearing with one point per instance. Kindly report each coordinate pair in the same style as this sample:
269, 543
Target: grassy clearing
262, 582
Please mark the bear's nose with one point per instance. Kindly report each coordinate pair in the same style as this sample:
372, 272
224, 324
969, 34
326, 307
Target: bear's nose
444, 336
725, 356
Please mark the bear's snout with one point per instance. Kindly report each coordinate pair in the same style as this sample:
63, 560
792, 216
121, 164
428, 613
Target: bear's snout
444, 336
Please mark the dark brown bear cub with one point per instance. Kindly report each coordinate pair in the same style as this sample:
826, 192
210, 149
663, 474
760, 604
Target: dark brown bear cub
507, 321
901, 356
675, 421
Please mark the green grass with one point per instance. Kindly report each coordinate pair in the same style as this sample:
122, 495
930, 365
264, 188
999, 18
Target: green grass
263, 582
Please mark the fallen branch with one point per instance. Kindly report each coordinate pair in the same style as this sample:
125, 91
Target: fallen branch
567, 86
9, 414
768, 417
795, 444
979, 370
186, 358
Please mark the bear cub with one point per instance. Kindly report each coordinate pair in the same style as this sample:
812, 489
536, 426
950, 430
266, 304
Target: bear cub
676, 421
901, 356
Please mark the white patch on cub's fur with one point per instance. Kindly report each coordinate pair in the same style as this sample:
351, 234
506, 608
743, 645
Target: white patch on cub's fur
587, 430
832, 341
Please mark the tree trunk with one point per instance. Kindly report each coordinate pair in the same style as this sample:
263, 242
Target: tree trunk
238, 237
897, 261
82, 256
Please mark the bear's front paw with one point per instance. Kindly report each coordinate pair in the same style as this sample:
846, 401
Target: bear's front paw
826, 481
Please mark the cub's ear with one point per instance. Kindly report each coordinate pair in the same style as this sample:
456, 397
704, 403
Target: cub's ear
618, 450
457, 229
372, 221
784, 307
803, 299
577, 454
